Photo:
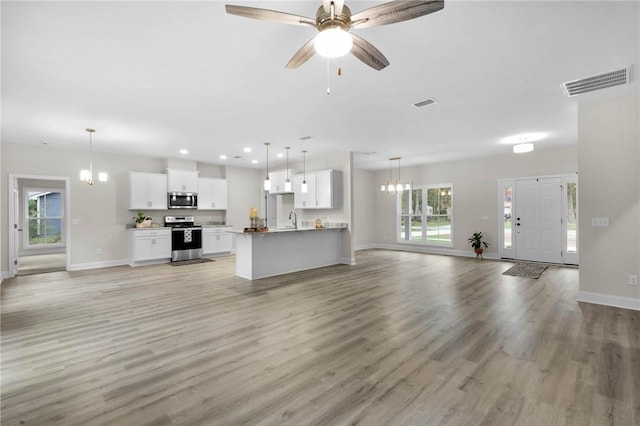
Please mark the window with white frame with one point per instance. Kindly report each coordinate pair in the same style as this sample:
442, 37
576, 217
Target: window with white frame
425, 215
43, 217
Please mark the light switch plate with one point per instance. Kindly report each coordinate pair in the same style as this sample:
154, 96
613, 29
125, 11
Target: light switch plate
75, 221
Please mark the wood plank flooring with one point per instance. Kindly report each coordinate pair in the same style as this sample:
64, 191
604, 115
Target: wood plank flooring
398, 339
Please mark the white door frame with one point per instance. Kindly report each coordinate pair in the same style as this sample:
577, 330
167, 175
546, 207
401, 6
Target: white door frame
13, 220
509, 253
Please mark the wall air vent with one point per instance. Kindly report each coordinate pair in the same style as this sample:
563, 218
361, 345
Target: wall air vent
424, 103
597, 82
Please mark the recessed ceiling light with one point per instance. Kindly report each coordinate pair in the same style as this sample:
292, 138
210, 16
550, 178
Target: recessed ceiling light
279, 155
522, 148
254, 161
184, 151
247, 149
223, 157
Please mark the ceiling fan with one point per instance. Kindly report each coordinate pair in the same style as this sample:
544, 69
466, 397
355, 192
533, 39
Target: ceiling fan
334, 20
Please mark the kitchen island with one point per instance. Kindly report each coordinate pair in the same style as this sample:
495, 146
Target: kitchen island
281, 251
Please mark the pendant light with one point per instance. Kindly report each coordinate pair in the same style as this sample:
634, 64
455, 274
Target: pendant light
399, 186
303, 187
87, 175
267, 182
287, 182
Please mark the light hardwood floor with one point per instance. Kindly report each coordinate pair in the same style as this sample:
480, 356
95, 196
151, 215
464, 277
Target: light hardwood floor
400, 338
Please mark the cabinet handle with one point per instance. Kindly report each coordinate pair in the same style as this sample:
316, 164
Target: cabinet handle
153, 241
213, 204
149, 203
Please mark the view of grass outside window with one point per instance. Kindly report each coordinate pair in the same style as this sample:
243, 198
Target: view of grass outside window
425, 214
44, 217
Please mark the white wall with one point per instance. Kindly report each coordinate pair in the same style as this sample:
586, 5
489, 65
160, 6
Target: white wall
102, 209
475, 186
364, 208
609, 165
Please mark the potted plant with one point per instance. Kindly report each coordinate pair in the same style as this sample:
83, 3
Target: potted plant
478, 243
142, 220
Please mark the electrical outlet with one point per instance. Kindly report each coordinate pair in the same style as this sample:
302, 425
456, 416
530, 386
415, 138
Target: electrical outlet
633, 280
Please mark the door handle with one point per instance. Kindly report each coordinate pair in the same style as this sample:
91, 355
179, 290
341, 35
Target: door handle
517, 224
19, 229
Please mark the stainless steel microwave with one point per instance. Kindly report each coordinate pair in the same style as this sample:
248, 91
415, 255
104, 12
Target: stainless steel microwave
182, 200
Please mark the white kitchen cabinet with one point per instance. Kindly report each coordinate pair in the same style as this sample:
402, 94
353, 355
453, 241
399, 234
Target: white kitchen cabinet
278, 180
149, 244
182, 180
147, 191
212, 194
324, 190
216, 240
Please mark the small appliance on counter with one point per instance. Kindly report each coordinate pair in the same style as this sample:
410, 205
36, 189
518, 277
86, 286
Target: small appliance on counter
186, 238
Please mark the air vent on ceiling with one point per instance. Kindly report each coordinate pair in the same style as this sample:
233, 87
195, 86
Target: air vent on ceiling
597, 82
424, 103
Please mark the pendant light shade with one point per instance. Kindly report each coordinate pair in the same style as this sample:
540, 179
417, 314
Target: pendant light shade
303, 187
87, 175
287, 182
267, 182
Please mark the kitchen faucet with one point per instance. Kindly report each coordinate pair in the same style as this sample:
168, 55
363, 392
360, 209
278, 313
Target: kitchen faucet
295, 219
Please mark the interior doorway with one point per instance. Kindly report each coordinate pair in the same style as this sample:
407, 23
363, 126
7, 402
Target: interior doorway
39, 225
540, 219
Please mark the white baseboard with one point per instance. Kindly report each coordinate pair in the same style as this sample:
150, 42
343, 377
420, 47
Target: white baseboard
96, 265
608, 300
428, 250
366, 246
348, 260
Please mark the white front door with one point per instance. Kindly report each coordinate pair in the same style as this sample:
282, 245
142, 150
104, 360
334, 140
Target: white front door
538, 220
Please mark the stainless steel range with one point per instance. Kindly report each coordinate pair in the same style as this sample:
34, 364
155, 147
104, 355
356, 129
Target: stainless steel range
186, 238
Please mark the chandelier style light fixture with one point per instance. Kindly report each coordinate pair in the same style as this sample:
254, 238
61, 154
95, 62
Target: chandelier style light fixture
87, 175
287, 182
267, 182
303, 187
393, 186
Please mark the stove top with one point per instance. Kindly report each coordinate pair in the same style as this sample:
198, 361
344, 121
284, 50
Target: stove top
180, 222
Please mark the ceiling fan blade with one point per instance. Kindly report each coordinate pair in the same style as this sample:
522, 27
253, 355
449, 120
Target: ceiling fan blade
302, 55
269, 15
394, 11
368, 53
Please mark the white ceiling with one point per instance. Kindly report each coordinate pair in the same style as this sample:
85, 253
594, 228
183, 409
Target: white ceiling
155, 77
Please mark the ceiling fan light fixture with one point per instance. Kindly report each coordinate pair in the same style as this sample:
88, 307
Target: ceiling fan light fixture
333, 43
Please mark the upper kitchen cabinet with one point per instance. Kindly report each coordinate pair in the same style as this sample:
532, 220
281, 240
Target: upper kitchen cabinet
182, 180
212, 194
324, 190
147, 191
278, 180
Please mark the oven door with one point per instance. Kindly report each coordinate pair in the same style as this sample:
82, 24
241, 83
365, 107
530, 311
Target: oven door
186, 243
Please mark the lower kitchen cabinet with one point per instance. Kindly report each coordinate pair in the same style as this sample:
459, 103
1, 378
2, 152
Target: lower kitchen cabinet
149, 245
216, 240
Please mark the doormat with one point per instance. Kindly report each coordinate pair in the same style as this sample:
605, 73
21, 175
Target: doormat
526, 270
191, 261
